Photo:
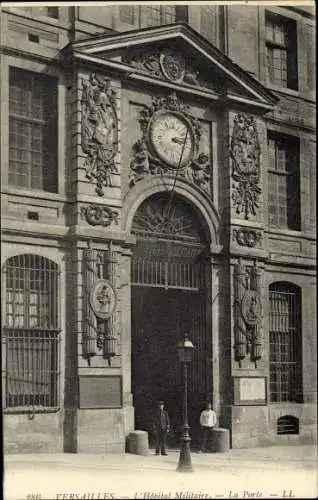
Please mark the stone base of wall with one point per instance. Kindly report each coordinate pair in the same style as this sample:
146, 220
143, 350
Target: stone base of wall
256, 426
41, 433
101, 431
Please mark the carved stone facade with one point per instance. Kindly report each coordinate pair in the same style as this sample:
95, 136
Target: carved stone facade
99, 131
245, 155
161, 142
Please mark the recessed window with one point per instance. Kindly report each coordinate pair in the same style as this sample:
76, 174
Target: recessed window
285, 345
281, 51
284, 182
160, 14
31, 330
32, 130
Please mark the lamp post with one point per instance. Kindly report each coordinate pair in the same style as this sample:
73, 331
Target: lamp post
185, 350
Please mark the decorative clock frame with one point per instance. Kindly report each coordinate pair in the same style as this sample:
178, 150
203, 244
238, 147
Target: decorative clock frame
145, 159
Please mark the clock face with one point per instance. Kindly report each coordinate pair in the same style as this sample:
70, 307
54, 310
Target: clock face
172, 139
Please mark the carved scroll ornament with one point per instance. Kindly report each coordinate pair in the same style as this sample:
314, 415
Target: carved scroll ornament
247, 237
99, 131
245, 154
99, 215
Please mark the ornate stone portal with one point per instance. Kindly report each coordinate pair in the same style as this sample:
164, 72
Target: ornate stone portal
170, 144
99, 131
245, 154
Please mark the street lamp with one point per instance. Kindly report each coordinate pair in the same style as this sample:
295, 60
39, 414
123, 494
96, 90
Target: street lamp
185, 350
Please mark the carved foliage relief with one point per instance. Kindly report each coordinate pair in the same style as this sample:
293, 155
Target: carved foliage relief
99, 131
245, 154
99, 215
248, 312
168, 64
176, 125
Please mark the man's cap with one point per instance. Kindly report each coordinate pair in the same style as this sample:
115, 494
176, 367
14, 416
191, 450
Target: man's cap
161, 402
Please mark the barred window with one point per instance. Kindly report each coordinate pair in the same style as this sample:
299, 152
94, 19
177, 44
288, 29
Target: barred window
32, 130
285, 343
160, 14
31, 330
281, 51
284, 182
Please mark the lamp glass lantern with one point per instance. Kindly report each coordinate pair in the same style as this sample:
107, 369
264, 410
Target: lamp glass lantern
185, 350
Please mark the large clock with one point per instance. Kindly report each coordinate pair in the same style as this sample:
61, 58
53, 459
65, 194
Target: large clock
171, 138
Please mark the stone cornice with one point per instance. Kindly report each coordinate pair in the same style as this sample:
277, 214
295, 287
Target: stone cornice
183, 32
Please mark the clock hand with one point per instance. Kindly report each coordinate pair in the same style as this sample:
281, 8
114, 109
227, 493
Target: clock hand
178, 140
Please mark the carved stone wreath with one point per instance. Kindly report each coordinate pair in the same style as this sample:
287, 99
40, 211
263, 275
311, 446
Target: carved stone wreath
245, 154
145, 163
99, 131
251, 307
99, 215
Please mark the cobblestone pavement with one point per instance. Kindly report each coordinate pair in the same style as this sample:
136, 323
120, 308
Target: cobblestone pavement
276, 472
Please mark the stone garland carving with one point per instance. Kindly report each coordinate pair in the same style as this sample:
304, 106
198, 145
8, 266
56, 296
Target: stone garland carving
144, 163
248, 313
99, 304
245, 154
99, 215
247, 237
99, 131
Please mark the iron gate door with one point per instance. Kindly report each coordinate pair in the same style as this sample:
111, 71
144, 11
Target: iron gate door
168, 300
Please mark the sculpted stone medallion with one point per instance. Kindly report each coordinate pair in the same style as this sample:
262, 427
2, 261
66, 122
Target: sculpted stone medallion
172, 65
103, 299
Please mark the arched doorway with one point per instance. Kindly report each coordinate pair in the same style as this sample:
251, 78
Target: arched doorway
169, 284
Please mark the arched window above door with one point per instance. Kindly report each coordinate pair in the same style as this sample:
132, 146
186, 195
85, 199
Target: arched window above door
171, 239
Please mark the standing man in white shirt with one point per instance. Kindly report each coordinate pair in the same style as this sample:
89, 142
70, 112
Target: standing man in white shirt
207, 422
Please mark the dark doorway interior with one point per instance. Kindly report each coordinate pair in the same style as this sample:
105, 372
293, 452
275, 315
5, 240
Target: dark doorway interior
160, 318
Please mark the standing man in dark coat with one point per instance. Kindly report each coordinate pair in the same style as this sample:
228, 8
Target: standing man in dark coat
162, 427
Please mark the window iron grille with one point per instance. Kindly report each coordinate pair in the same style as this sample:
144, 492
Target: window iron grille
288, 424
31, 332
32, 368
285, 343
166, 274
